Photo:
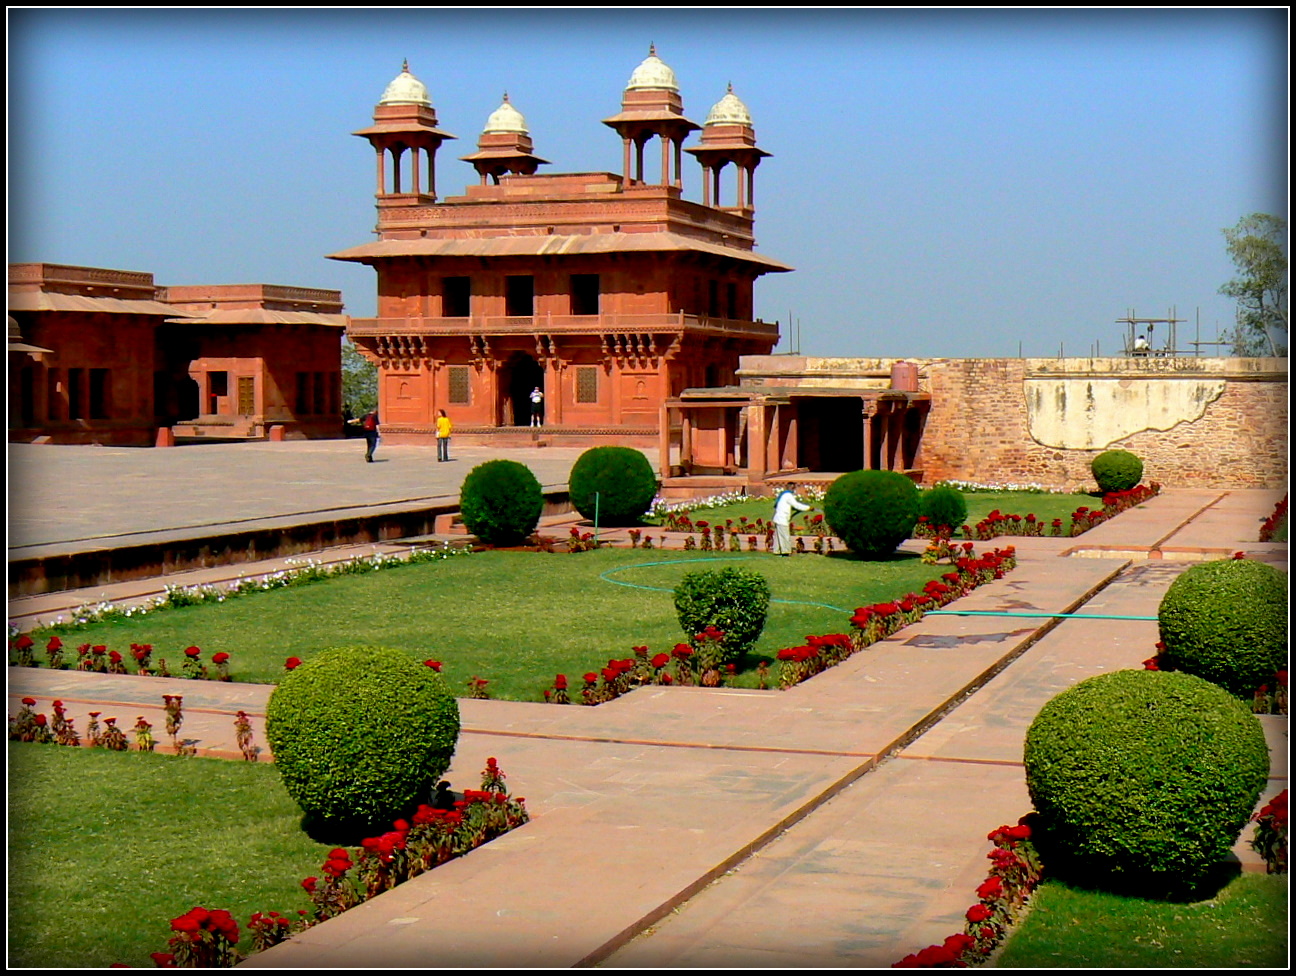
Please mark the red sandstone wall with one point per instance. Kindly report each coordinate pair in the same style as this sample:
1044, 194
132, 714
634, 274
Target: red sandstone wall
978, 431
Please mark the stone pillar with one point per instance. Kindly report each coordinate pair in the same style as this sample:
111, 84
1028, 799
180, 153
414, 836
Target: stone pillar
756, 446
773, 453
868, 435
895, 438
728, 418
165, 437
553, 391
663, 441
614, 385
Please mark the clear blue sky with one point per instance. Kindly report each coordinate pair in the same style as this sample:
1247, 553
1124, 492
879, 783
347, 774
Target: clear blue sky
948, 183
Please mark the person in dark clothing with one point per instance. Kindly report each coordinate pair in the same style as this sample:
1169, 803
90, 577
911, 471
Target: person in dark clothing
369, 424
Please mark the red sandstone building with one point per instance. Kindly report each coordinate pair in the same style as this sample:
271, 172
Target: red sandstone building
610, 293
108, 357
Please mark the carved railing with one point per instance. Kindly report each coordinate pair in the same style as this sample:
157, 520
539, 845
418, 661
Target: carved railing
559, 325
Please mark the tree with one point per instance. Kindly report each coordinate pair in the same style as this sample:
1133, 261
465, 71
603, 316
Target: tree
359, 381
1258, 247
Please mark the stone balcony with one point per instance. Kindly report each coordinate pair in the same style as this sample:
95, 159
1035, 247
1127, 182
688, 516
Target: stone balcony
502, 325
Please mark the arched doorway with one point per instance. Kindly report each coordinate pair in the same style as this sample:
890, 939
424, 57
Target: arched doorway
522, 374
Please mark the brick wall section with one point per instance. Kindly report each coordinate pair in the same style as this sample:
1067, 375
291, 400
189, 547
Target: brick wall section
978, 430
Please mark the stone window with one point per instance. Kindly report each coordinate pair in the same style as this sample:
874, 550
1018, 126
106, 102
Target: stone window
584, 294
456, 297
587, 384
519, 295
459, 384
303, 394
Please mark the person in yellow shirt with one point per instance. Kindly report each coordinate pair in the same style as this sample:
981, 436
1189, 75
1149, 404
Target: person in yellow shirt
443, 427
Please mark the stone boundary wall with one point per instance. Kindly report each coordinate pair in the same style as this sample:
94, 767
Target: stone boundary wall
1195, 422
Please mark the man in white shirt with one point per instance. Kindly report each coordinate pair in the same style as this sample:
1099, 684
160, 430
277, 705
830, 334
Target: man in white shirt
537, 398
784, 506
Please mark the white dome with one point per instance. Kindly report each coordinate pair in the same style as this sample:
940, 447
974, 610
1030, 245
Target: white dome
729, 111
405, 89
506, 119
653, 73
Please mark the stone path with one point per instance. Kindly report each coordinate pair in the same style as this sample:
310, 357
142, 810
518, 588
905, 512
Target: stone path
839, 823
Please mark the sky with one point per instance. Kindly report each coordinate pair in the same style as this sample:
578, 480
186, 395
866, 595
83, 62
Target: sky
961, 183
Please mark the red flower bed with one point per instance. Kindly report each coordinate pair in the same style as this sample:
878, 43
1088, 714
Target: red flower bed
1015, 872
349, 876
1270, 525
1083, 519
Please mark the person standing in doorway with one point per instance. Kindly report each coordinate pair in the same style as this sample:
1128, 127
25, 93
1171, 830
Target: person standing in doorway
786, 503
443, 427
537, 408
369, 424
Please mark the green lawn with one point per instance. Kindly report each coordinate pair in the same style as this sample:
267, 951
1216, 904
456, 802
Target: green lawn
105, 848
1244, 925
514, 618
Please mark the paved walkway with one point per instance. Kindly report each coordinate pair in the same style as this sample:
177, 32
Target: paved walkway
839, 823
61, 498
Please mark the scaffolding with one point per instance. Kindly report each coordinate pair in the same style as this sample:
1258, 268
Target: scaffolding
1141, 338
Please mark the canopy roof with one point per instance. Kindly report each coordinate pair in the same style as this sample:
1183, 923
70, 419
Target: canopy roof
550, 244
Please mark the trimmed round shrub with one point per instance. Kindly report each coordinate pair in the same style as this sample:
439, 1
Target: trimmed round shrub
361, 734
1143, 779
1226, 621
735, 601
1116, 470
622, 479
501, 502
872, 512
943, 505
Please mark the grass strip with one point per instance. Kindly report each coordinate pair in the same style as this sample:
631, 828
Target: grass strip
105, 848
1245, 924
1044, 506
